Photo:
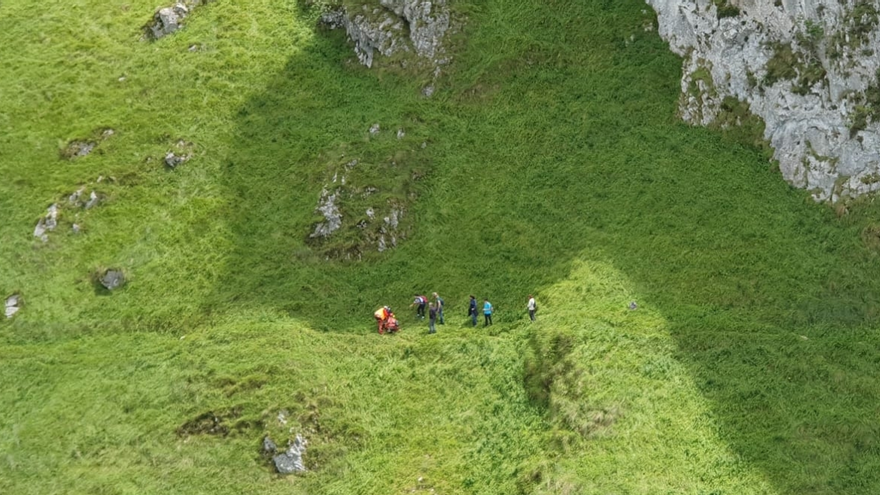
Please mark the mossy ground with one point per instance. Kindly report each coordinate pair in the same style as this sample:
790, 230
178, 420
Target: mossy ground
554, 165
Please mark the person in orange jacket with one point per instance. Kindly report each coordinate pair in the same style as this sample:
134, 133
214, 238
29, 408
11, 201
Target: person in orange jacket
382, 316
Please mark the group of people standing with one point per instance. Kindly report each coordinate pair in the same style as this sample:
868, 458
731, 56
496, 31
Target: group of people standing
434, 310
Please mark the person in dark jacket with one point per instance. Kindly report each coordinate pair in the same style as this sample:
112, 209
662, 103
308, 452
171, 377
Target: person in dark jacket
472, 311
432, 318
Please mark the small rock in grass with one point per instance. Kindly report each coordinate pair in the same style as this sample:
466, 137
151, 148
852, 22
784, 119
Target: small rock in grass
47, 223
269, 446
12, 305
93, 201
633, 306
428, 91
173, 160
374, 129
112, 279
76, 228
400, 133
78, 149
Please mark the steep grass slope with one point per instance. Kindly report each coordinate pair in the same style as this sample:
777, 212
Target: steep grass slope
553, 164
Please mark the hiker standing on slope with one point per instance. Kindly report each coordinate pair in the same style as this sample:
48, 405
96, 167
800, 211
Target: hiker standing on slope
487, 312
472, 310
439, 302
432, 318
532, 307
420, 302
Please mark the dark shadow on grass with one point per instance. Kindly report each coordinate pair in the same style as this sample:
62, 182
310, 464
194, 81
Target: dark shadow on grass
770, 297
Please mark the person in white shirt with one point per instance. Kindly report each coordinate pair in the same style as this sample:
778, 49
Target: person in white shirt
532, 306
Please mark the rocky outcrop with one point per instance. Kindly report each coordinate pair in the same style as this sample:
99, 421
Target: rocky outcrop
807, 68
392, 27
364, 202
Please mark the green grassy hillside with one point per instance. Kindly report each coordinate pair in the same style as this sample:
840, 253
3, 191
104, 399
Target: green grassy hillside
553, 163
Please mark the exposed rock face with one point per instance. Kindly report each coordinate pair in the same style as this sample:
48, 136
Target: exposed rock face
393, 26
807, 68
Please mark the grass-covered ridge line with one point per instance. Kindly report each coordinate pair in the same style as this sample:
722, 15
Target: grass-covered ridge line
554, 165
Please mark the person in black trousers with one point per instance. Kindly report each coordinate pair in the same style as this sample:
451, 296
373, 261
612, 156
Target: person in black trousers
472, 310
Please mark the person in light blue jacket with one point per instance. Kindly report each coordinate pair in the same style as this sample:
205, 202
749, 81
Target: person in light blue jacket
487, 312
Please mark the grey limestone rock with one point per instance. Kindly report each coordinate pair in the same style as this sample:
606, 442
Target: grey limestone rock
804, 67
112, 279
47, 223
12, 305
291, 461
384, 30
173, 160
92, 202
168, 20
333, 218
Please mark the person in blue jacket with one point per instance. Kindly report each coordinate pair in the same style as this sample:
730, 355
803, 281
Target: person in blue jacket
487, 312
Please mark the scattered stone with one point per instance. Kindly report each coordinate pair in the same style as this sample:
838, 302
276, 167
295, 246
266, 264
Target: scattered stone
633, 306
73, 199
371, 213
374, 129
292, 461
112, 279
93, 200
282, 417
428, 91
400, 134
382, 246
121, 79
173, 160
12, 305
269, 446
424, 144
352, 164
76, 228
106, 133
193, 48
47, 223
